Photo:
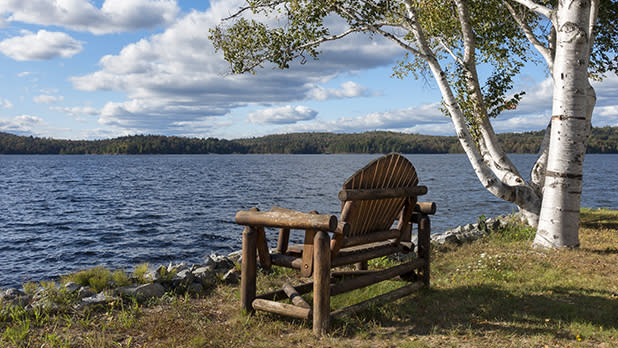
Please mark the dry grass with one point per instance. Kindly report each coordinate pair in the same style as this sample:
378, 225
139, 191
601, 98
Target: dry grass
494, 292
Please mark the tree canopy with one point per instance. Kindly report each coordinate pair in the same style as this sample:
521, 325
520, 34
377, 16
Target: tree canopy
602, 140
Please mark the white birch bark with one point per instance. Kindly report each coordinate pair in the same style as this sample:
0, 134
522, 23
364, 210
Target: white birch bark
573, 102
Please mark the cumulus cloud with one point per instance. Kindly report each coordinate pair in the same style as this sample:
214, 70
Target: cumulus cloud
282, 115
535, 109
406, 119
47, 99
76, 110
81, 15
20, 125
174, 78
349, 89
40, 46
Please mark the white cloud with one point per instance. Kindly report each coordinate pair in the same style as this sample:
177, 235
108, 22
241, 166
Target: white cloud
535, 109
40, 46
349, 89
24, 124
175, 78
114, 15
396, 120
47, 99
76, 110
24, 73
282, 115
6, 103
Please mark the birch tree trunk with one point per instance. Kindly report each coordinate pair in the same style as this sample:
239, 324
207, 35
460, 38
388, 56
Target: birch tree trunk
573, 102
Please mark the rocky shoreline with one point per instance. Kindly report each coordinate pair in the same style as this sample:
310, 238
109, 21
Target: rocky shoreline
198, 279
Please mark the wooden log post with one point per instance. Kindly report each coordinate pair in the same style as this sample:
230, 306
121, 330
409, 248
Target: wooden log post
428, 208
248, 268
308, 259
282, 308
284, 218
294, 296
262, 248
338, 239
283, 241
321, 283
404, 227
424, 243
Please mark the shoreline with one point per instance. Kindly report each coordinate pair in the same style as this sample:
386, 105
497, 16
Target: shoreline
199, 278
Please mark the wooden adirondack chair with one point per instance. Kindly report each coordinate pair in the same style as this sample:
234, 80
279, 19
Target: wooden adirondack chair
372, 199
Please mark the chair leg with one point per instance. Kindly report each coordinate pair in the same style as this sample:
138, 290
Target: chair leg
248, 268
321, 283
424, 243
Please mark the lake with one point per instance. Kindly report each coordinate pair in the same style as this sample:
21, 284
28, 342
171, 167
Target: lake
59, 214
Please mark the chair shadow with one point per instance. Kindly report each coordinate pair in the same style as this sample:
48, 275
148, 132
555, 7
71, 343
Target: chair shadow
488, 309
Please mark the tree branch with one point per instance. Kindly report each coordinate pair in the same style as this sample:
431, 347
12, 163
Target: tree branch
489, 146
376, 28
537, 8
594, 11
544, 51
253, 7
449, 51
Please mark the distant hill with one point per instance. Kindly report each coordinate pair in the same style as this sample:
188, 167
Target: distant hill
602, 140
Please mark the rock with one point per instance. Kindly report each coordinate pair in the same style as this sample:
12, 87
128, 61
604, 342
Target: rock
232, 276
195, 289
142, 292
235, 256
72, 287
15, 297
205, 276
451, 238
158, 273
85, 292
151, 290
177, 268
100, 298
182, 280
220, 263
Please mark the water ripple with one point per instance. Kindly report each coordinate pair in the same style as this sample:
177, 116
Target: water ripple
60, 214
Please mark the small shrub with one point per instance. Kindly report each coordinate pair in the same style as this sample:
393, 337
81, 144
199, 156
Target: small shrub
120, 278
139, 273
513, 231
30, 288
98, 278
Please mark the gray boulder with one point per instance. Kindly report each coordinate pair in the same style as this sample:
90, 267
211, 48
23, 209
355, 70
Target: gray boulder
232, 276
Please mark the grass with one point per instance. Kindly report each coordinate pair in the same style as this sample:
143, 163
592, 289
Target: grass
493, 292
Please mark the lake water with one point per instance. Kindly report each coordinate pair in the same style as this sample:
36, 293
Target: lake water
59, 214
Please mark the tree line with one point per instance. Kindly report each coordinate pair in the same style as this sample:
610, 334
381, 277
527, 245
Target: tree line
602, 140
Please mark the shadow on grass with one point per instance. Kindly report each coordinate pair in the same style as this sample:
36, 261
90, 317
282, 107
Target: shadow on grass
488, 309
607, 251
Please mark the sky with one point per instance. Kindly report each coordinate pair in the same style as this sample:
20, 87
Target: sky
83, 69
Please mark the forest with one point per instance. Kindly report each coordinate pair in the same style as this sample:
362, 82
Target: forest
601, 140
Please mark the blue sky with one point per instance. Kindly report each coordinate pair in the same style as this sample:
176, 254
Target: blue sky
79, 69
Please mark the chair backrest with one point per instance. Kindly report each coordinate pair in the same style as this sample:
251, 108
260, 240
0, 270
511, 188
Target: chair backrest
370, 216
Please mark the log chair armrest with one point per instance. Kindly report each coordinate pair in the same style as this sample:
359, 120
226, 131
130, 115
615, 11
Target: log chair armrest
286, 218
428, 208
375, 194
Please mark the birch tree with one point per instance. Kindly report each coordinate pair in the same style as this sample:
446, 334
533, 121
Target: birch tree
449, 40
